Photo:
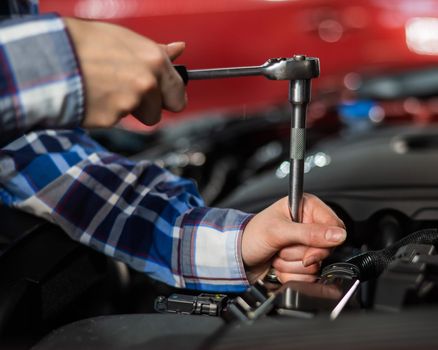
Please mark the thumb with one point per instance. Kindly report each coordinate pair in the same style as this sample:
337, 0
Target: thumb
174, 50
311, 235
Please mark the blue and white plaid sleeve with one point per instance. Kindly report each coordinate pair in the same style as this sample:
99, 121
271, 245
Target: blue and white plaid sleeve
40, 82
133, 211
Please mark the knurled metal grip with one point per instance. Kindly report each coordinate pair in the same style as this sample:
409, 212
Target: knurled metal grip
299, 97
298, 142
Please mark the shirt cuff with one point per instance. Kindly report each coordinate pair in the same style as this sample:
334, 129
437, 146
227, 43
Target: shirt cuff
209, 254
42, 85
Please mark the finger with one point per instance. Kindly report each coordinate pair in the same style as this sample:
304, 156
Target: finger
301, 253
293, 253
315, 255
313, 235
174, 94
170, 83
174, 50
173, 91
295, 267
149, 110
315, 210
284, 277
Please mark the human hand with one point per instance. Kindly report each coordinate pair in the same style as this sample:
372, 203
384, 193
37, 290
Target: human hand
293, 249
125, 73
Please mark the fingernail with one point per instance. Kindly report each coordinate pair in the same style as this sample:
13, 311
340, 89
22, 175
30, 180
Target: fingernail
310, 261
335, 234
176, 43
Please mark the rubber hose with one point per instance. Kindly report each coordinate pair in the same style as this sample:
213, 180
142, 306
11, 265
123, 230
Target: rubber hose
371, 264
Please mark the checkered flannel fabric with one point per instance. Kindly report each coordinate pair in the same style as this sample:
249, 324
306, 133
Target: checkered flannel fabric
136, 212
40, 83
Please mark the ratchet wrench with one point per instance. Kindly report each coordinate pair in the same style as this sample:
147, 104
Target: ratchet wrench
299, 70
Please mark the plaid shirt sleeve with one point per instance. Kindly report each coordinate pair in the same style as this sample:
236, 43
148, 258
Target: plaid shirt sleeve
133, 211
40, 83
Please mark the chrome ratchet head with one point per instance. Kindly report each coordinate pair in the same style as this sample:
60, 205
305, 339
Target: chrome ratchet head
298, 67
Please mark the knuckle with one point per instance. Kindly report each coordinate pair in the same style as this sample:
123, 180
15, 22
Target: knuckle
102, 120
318, 253
310, 197
283, 254
277, 264
312, 201
143, 83
126, 103
312, 269
156, 57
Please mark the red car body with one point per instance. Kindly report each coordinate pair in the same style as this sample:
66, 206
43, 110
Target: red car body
364, 36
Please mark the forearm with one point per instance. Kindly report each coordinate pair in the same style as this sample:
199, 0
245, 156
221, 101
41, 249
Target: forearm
135, 212
40, 82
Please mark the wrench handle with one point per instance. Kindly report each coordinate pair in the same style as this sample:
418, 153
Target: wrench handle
182, 71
